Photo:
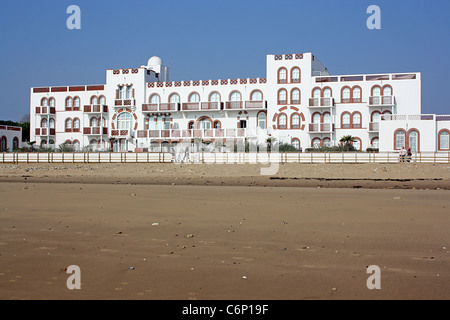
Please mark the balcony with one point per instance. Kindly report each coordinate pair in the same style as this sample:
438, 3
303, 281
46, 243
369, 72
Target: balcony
45, 132
321, 127
197, 133
94, 131
44, 111
120, 133
95, 108
258, 105
160, 107
234, 105
190, 106
374, 127
124, 103
384, 101
211, 105
321, 102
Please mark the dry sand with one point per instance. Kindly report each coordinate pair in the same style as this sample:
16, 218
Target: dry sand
141, 232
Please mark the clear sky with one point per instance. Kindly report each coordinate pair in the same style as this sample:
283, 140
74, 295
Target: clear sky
218, 39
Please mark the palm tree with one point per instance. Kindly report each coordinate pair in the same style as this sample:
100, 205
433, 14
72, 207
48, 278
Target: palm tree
347, 141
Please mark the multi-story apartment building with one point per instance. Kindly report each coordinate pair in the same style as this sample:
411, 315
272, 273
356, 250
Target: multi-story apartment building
298, 102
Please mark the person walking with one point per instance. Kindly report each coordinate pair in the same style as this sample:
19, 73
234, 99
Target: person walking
409, 155
402, 154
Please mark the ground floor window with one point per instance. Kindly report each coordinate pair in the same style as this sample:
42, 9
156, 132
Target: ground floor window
444, 143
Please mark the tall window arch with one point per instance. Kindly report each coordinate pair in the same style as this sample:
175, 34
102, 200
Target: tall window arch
295, 96
316, 143
346, 120
296, 143
214, 97
69, 103
295, 121
413, 140
326, 117
356, 94
235, 96
44, 102
76, 102
295, 75
76, 125
94, 100
15, 143
444, 141
174, 98
102, 100
194, 97
68, 124
52, 102
346, 95
282, 121
282, 75
256, 96
316, 118
387, 91
154, 99
327, 93
44, 123
262, 119
3, 144
282, 96
52, 123
399, 139
356, 119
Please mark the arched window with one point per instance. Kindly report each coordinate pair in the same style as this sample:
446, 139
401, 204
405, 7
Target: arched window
316, 143
295, 121
357, 144
194, 97
295, 75
356, 120
235, 96
376, 116
282, 75
375, 143
124, 121
296, 143
44, 123
69, 103
376, 91
102, 100
326, 142
68, 124
217, 125
174, 98
4, 144
204, 124
317, 93
262, 120
154, 99
44, 102
346, 95
345, 120
282, 121
326, 117
444, 142
327, 93
282, 96
76, 124
94, 100
76, 145
76, 102
214, 97
356, 95
94, 122
413, 140
399, 139
129, 92
295, 96
256, 96
15, 143
387, 91
52, 123
191, 125
52, 102
316, 118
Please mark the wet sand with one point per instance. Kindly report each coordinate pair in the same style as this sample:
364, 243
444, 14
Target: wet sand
137, 236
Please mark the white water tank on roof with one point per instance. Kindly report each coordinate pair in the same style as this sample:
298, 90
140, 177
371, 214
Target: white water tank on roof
154, 61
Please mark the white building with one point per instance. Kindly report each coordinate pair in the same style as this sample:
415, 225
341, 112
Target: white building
10, 138
298, 102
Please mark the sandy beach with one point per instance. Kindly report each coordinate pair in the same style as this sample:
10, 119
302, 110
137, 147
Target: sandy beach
201, 232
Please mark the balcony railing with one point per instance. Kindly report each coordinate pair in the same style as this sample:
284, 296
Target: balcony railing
382, 101
120, 133
197, 133
45, 132
234, 105
211, 105
374, 126
255, 104
321, 102
157, 107
95, 131
45, 110
321, 127
125, 103
95, 108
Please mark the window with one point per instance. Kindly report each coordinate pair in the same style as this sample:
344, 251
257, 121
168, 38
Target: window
44, 102
102, 100
52, 123
256, 96
124, 121
316, 118
214, 97
282, 75
295, 75
262, 120
295, 96
282, 121
295, 121
327, 118
316, 143
375, 143
94, 122
4, 144
204, 124
129, 92
376, 91
15, 143
282, 96
194, 97
174, 98
191, 125
356, 94
400, 140
326, 142
154, 99
346, 95
357, 144
387, 91
69, 103
217, 125
235, 96
444, 142
44, 123
76, 124
346, 120
69, 124
76, 145
413, 138
376, 116
243, 124
121, 92
52, 102
356, 120
296, 143
327, 93
76, 102
94, 100
317, 93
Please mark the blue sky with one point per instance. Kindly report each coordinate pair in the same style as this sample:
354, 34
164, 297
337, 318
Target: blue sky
212, 39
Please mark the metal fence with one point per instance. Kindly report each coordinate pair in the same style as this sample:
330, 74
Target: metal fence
223, 157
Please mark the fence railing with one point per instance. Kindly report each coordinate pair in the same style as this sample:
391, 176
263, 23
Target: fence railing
223, 157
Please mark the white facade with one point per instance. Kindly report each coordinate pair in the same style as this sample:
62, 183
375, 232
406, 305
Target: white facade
10, 138
298, 102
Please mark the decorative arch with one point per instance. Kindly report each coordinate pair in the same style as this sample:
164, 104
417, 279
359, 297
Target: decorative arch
373, 88
295, 120
440, 134
280, 97
387, 86
282, 74
354, 98
346, 125
256, 91
294, 72
259, 119
294, 98
3, 144
197, 122
282, 121
397, 145
408, 142
44, 102
346, 99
